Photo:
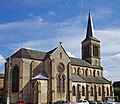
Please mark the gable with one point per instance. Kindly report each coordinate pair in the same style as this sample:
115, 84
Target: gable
60, 54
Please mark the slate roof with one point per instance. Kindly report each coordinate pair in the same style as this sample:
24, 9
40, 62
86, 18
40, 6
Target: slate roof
77, 78
89, 79
79, 62
38, 55
89, 27
29, 54
41, 75
90, 30
102, 79
91, 38
50, 52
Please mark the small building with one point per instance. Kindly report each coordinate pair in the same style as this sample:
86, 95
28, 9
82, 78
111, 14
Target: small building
1, 87
46, 77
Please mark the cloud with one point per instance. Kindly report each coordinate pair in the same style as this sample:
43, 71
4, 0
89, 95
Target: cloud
30, 3
109, 47
70, 54
109, 36
116, 58
103, 13
52, 13
42, 35
2, 60
34, 33
39, 18
105, 73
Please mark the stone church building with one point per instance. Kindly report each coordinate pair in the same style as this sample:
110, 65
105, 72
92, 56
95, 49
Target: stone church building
46, 77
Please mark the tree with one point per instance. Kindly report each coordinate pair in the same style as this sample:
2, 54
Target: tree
117, 94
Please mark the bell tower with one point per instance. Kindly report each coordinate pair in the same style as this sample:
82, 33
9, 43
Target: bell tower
91, 45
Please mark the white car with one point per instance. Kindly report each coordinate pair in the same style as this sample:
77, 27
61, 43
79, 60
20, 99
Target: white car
82, 102
110, 102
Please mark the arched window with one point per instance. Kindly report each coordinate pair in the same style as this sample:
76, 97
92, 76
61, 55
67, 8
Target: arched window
39, 86
79, 71
86, 72
107, 91
99, 91
91, 91
73, 91
94, 73
61, 83
74, 70
83, 91
90, 72
98, 73
83, 71
15, 79
58, 83
111, 91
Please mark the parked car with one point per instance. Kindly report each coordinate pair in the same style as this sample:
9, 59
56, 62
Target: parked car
66, 102
93, 102
62, 102
21, 102
82, 102
58, 102
110, 102
100, 102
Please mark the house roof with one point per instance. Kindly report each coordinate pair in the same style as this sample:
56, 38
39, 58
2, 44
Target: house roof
41, 75
1, 75
79, 62
77, 78
83, 63
29, 54
89, 79
49, 52
96, 79
38, 55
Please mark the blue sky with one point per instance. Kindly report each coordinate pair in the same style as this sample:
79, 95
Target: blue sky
42, 24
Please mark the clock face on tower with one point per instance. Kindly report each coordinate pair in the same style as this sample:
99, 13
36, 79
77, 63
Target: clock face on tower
61, 67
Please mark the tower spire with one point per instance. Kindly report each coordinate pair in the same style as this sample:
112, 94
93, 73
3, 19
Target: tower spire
89, 27
91, 45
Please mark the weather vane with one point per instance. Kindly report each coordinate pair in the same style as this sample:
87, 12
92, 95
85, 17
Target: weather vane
21, 45
60, 43
89, 5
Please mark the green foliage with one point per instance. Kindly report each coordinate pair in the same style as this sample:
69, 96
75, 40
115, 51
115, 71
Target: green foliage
117, 94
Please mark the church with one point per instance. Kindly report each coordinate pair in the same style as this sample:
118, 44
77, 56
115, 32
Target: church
45, 77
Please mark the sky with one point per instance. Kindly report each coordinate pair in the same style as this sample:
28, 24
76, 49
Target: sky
42, 24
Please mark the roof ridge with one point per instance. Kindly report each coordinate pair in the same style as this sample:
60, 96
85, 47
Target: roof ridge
33, 50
